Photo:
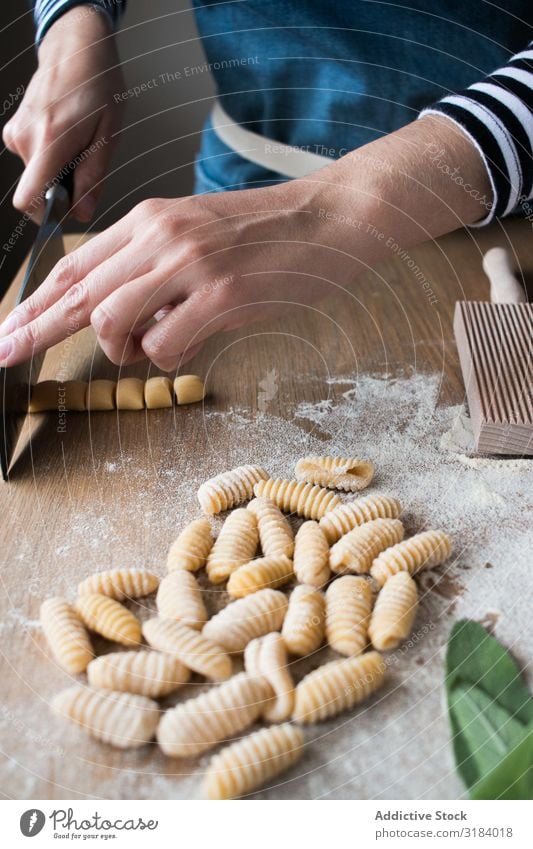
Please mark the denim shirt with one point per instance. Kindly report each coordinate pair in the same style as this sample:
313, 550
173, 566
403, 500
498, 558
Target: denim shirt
330, 77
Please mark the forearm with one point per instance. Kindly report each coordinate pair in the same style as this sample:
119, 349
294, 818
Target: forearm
418, 183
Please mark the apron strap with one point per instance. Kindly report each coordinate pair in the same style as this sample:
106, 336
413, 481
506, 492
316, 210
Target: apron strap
284, 159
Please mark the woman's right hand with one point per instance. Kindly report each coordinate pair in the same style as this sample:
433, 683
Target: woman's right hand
68, 109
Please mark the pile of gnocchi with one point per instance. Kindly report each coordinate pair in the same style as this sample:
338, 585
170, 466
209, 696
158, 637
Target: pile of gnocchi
349, 575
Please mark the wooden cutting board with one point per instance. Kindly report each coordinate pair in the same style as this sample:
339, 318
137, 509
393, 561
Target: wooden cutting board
114, 489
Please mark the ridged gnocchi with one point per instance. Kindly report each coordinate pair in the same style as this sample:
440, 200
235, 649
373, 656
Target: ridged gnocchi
304, 499
191, 548
248, 763
349, 474
200, 723
337, 686
311, 555
235, 545
109, 618
423, 551
121, 719
259, 574
394, 612
120, 583
179, 597
243, 620
268, 656
349, 602
346, 517
193, 649
66, 635
147, 673
275, 533
356, 551
304, 624
229, 489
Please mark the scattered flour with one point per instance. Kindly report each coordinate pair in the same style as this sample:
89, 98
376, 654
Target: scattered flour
398, 746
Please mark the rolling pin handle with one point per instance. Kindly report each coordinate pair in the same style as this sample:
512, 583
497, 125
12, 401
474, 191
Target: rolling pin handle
504, 286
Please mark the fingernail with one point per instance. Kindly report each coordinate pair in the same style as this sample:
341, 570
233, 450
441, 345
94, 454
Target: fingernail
9, 325
6, 348
85, 208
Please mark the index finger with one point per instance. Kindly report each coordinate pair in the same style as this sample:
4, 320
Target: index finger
68, 271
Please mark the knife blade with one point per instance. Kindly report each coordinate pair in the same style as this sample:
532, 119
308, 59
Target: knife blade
16, 381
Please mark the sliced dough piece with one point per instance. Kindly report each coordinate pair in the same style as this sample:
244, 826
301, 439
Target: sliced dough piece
101, 395
130, 394
158, 393
44, 396
189, 388
74, 397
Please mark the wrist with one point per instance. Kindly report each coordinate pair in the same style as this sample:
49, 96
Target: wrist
343, 202
75, 29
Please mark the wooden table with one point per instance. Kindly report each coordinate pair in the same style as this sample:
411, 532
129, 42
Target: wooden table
115, 489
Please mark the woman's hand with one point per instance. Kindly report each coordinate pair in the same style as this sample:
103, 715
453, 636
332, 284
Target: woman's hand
68, 109
199, 265
215, 262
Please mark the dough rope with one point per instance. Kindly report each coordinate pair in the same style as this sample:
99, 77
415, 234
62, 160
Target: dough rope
423, 551
229, 489
394, 612
337, 686
304, 499
195, 650
259, 574
146, 673
349, 474
275, 533
349, 602
128, 393
120, 719
251, 762
109, 618
200, 723
179, 597
235, 545
243, 620
304, 624
311, 555
191, 548
346, 517
356, 551
267, 656
66, 635
120, 583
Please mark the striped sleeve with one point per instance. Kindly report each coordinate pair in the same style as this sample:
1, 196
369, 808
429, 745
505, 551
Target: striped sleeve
497, 115
46, 12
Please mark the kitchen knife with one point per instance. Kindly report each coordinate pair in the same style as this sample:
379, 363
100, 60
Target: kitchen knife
16, 381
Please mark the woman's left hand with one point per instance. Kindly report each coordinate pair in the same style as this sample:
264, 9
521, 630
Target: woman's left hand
198, 265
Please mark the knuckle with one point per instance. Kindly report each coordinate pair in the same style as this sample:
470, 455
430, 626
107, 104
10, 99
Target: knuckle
77, 296
148, 208
30, 335
64, 271
103, 321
